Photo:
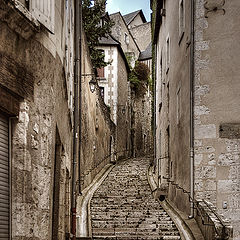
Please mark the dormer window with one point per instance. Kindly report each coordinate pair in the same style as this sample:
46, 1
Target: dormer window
126, 38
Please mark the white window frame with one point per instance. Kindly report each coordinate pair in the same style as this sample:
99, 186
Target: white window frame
44, 12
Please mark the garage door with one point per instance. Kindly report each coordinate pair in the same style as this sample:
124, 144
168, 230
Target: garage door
4, 179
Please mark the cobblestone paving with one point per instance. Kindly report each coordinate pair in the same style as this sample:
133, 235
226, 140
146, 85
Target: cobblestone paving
123, 207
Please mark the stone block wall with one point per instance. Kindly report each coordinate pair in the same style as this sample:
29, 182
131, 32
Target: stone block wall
142, 35
216, 103
120, 31
41, 112
97, 126
141, 124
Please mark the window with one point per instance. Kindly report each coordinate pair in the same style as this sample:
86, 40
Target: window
5, 198
181, 20
43, 11
178, 105
126, 38
100, 71
167, 53
102, 91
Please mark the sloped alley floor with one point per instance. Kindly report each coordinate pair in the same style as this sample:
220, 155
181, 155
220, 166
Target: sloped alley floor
123, 206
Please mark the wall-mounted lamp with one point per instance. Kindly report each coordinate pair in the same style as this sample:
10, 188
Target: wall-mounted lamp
92, 82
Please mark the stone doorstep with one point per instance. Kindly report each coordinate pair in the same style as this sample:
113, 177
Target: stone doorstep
164, 223
124, 238
130, 231
124, 210
83, 238
171, 237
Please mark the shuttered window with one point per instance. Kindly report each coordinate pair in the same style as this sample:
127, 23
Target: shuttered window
4, 179
43, 11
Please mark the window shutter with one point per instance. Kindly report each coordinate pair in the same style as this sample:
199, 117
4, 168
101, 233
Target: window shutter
43, 11
100, 72
4, 179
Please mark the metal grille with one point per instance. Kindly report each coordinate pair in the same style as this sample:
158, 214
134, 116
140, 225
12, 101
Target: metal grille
4, 178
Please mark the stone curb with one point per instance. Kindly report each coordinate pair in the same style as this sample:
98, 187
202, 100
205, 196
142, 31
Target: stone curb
184, 230
83, 203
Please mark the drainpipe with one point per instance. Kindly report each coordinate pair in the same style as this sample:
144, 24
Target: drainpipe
154, 108
80, 99
75, 120
192, 113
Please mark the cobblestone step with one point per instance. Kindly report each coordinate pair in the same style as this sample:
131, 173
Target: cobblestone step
123, 207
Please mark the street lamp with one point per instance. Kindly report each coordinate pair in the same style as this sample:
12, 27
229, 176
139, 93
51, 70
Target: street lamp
92, 82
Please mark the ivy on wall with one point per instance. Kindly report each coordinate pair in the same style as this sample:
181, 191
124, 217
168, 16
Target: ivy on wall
96, 25
140, 78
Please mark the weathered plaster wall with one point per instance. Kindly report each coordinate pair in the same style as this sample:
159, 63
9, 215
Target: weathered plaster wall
141, 124
216, 102
172, 106
116, 96
123, 114
97, 127
142, 35
33, 139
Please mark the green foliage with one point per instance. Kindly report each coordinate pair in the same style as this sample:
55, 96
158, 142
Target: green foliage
140, 78
96, 26
130, 59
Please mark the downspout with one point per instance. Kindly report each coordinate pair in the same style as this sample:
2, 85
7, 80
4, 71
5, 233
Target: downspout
192, 113
75, 116
80, 99
154, 108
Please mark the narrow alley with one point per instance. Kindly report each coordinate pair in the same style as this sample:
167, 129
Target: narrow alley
89, 90
124, 208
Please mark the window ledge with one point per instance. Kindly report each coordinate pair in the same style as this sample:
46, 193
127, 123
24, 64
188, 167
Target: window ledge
18, 18
101, 79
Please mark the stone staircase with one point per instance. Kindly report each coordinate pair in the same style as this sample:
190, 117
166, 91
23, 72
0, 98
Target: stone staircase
123, 207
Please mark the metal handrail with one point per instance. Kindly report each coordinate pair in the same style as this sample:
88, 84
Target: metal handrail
102, 160
197, 207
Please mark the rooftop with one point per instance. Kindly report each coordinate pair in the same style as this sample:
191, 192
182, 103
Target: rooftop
130, 16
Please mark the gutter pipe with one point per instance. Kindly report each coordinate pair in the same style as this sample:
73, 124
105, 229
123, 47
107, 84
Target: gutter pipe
192, 64
80, 99
154, 108
75, 116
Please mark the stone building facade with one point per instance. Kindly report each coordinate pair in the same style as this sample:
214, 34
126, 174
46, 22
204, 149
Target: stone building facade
114, 85
122, 34
36, 120
139, 28
98, 138
141, 131
197, 141
141, 107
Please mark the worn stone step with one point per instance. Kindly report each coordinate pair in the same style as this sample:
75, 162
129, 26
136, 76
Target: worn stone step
123, 207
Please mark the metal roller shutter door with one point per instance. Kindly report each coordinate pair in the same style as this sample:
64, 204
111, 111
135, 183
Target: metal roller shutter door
4, 179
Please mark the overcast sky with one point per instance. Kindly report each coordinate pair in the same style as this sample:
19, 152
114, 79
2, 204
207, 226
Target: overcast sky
128, 6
